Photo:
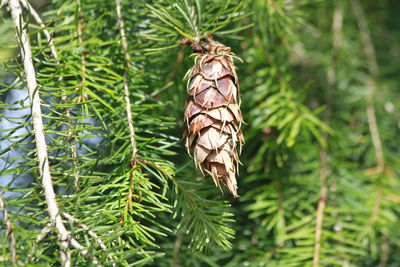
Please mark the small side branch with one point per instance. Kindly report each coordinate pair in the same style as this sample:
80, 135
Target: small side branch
177, 246
44, 232
331, 81
72, 241
126, 87
38, 19
38, 128
373, 129
90, 232
82, 84
385, 251
281, 209
368, 46
75, 244
373, 69
280, 196
10, 232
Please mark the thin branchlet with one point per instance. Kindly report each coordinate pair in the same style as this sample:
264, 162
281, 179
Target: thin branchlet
331, 82
82, 85
64, 98
373, 68
38, 128
10, 232
92, 234
128, 106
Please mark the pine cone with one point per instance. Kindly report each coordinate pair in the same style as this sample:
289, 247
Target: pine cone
212, 112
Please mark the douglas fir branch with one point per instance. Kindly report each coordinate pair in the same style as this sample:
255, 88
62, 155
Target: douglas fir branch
212, 113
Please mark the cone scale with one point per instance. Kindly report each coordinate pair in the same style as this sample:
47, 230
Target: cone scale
212, 113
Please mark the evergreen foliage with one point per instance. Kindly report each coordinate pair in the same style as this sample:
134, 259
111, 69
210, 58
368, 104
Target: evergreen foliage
319, 182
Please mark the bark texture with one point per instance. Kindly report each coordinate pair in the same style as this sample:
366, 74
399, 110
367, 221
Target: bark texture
212, 112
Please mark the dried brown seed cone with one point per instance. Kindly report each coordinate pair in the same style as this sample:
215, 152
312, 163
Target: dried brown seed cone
212, 113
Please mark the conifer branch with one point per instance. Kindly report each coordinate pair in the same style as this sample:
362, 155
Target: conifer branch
281, 209
193, 17
75, 244
38, 128
91, 233
384, 251
367, 43
64, 98
373, 69
39, 21
10, 233
128, 106
177, 246
280, 196
273, 251
72, 241
374, 130
82, 84
43, 233
331, 82
178, 61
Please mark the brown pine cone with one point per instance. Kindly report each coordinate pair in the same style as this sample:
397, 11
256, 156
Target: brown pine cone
212, 112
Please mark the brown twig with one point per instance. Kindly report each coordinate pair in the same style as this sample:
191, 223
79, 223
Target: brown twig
281, 210
280, 196
79, 29
373, 69
128, 106
331, 81
272, 252
177, 246
38, 128
373, 128
130, 195
175, 67
10, 232
385, 249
